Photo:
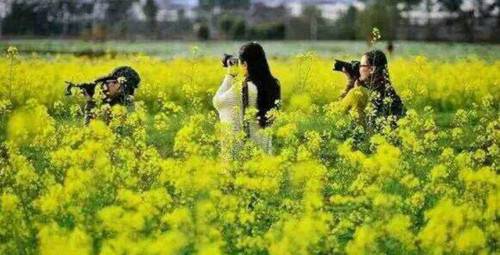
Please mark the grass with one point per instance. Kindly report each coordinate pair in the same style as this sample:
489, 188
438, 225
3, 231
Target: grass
172, 49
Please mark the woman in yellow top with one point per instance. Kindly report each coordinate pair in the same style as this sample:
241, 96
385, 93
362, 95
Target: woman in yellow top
372, 89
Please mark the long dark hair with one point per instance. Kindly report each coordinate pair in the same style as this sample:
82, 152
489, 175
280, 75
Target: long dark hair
381, 83
268, 88
377, 59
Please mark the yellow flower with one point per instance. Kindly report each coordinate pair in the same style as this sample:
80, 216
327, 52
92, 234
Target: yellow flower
471, 239
399, 228
55, 240
11, 51
363, 242
9, 202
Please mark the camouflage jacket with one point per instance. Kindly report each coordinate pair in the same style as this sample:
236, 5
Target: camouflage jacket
91, 105
385, 103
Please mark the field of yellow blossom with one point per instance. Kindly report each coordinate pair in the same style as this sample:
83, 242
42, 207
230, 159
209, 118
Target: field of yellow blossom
153, 181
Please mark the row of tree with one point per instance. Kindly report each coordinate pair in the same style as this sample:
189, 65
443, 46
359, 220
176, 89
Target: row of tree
102, 19
388, 16
64, 17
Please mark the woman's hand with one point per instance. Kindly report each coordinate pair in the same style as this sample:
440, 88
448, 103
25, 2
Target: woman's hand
232, 70
350, 83
358, 83
348, 75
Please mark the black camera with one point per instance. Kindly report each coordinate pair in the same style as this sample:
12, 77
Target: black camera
87, 88
351, 68
229, 60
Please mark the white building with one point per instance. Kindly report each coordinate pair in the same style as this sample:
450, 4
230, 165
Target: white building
169, 10
432, 10
330, 9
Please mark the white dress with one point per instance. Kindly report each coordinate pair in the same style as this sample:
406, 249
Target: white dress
228, 100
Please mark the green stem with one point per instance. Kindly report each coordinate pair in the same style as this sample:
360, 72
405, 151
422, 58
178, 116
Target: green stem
10, 76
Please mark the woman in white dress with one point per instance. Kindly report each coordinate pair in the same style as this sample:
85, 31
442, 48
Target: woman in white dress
254, 92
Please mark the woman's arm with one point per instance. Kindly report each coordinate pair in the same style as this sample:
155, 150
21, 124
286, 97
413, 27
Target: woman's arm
228, 80
348, 87
350, 83
226, 84
356, 99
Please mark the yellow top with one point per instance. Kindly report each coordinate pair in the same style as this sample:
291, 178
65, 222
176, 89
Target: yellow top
355, 102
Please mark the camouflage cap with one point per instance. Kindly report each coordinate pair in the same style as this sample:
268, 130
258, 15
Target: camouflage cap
130, 78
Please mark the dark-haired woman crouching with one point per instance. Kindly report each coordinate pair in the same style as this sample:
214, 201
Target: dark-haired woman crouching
373, 90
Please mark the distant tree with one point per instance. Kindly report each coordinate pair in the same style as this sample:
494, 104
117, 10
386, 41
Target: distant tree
429, 33
233, 27
267, 31
117, 15
405, 6
384, 14
150, 9
207, 4
379, 14
226, 23
225, 4
313, 16
238, 31
20, 19
202, 32
496, 6
485, 9
451, 5
465, 18
33, 18
345, 24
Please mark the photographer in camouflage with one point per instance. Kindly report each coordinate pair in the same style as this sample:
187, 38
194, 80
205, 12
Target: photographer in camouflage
118, 88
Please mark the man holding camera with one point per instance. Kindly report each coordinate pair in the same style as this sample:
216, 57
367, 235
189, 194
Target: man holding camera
118, 88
